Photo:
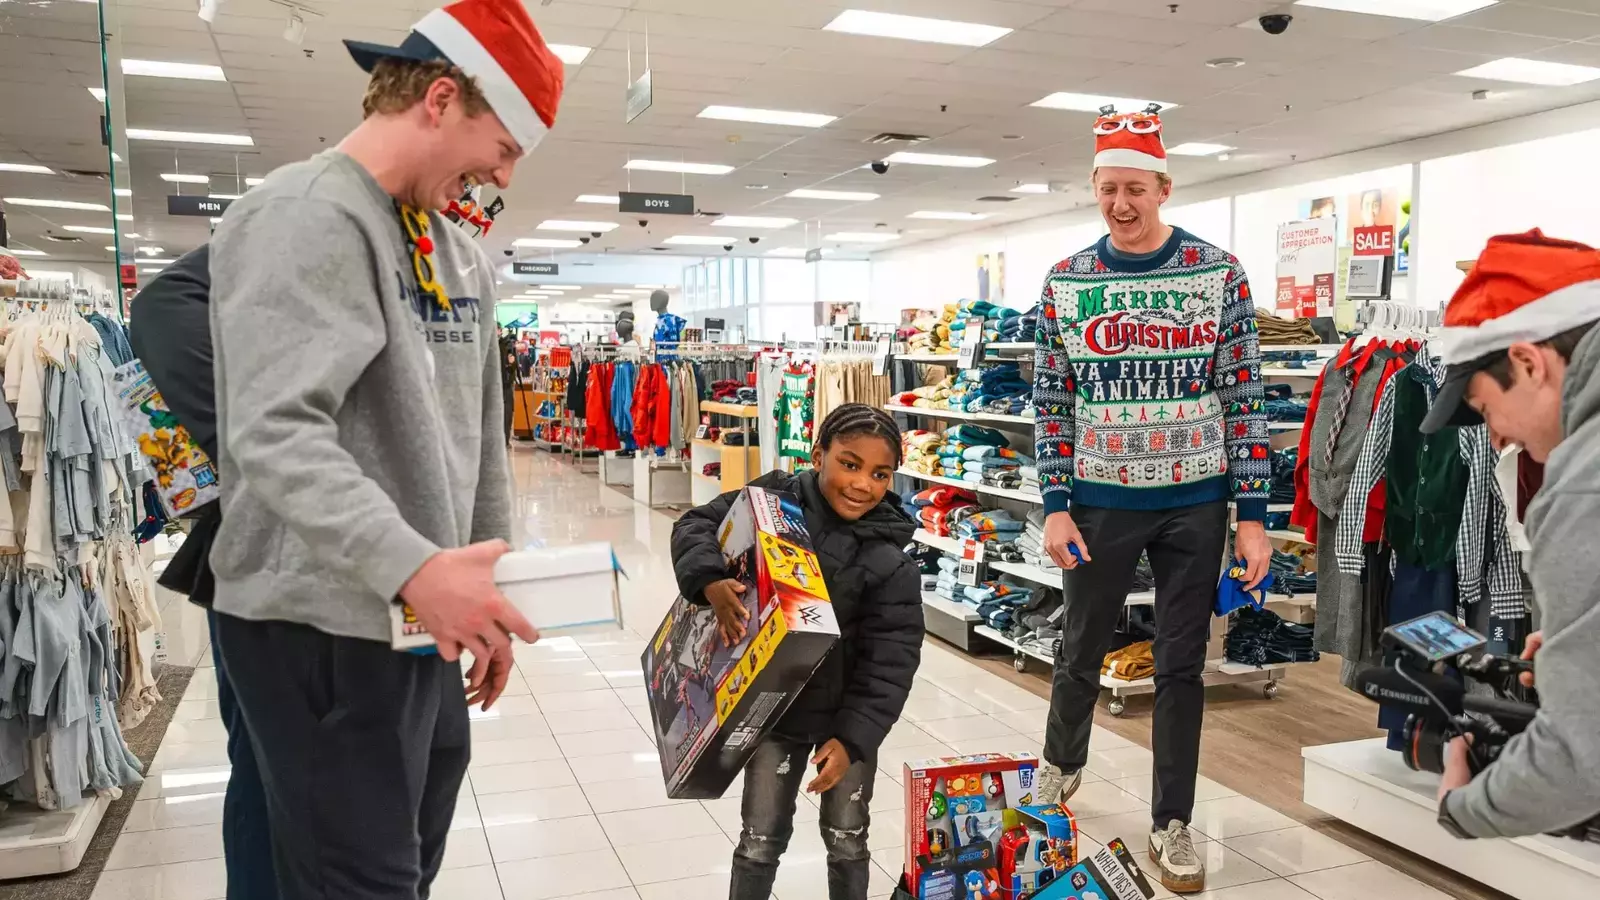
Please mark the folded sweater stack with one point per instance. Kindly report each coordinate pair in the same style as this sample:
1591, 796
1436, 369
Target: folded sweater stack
930, 335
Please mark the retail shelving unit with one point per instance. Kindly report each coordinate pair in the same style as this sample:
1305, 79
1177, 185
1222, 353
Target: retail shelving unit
1368, 786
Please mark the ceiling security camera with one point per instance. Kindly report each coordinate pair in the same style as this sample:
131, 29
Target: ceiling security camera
594, 234
644, 223
1277, 23
880, 167
755, 240
509, 252
584, 240
728, 247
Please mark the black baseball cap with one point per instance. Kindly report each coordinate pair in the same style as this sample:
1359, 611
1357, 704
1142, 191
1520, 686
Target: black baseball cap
1450, 407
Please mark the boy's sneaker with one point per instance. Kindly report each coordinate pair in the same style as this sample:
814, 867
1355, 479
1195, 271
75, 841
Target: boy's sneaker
1056, 786
1172, 850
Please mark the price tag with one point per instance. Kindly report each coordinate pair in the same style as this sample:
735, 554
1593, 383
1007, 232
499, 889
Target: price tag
971, 347
971, 570
881, 358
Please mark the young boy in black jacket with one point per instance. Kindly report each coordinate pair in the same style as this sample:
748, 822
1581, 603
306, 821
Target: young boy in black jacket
847, 708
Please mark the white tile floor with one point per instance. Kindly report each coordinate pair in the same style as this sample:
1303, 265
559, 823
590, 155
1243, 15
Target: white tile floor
564, 798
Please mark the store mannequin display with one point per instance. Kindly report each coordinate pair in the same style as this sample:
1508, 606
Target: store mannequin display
669, 327
348, 365
625, 327
1121, 479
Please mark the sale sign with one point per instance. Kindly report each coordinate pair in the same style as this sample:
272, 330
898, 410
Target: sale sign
1308, 257
1374, 240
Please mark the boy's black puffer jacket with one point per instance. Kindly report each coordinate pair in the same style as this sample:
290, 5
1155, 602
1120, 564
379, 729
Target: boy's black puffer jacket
859, 690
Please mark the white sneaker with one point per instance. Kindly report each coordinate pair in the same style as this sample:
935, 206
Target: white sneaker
1057, 786
1172, 850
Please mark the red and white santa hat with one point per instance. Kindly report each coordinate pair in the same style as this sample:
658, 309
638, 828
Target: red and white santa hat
1130, 140
1524, 288
497, 44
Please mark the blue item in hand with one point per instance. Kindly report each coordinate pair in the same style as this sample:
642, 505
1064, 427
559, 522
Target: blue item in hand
1231, 594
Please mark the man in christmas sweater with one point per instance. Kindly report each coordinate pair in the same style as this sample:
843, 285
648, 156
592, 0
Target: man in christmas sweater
1150, 420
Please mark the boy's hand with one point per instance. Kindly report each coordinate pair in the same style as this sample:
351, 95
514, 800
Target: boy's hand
834, 761
731, 615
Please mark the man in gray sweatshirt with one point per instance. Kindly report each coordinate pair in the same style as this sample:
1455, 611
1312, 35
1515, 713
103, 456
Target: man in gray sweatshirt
1524, 357
359, 416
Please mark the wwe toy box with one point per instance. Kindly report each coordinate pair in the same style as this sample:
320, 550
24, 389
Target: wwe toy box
710, 704
556, 588
973, 831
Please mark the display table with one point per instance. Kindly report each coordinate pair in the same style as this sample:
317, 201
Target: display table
1367, 785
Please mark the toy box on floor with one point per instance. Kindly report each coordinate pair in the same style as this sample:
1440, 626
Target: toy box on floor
710, 704
974, 833
1109, 873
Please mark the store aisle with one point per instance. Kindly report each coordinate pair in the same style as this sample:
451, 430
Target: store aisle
564, 798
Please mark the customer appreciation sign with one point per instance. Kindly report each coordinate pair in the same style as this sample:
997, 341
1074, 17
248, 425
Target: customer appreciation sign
1308, 256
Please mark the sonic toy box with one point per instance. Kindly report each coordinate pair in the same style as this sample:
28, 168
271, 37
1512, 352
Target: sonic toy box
1110, 873
710, 704
1036, 850
957, 810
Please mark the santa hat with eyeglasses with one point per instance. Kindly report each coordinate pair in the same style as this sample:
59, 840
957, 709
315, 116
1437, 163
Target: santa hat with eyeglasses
1130, 140
497, 44
1524, 288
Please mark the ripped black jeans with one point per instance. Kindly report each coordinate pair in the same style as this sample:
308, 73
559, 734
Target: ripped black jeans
772, 783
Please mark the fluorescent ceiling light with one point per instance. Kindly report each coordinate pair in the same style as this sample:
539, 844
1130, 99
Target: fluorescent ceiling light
560, 287
153, 262
754, 222
224, 196
698, 240
58, 204
1426, 10
1093, 102
19, 252
553, 243
652, 287
124, 217
136, 235
189, 137
574, 225
810, 194
1034, 188
598, 198
98, 94
687, 168
860, 237
122, 192
915, 28
766, 116
252, 182
594, 300
790, 251
938, 159
950, 216
150, 270
571, 54
90, 229
1197, 148
175, 178
609, 297
26, 168
154, 251
1532, 71
111, 249
158, 69
630, 291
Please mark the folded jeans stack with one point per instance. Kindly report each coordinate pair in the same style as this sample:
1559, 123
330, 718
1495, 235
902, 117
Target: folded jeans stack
1289, 574
1283, 462
1260, 637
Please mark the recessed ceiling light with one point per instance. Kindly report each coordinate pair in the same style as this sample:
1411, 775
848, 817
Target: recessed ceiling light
574, 225
938, 159
594, 300
224, 196
754, 222
756, 187
651, 287
571, 54
1532, 71
860, 237
552, 243
1197, 148
1032, 188
598, 198
111, 249
189, 137
1426, 10
150, 270
560, 287
609, 297
252, 182
122, 192
98, 94
791, 252
153, 251
124, 217
89, 229
158, 69
136, 235
1010, 137
152, 262
17, 251
26, 169
766, 116
687, 168
810, 194
698, 240
1093, 102
1225, 62
58, 204
1224, 157
915, 28
950, 216
175, 178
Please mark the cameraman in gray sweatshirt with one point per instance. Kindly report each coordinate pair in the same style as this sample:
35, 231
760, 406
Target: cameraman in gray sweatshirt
1524, 358
361, 457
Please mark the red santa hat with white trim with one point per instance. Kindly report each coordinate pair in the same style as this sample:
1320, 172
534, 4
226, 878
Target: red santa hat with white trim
1130, 140
497, 44
1524, 288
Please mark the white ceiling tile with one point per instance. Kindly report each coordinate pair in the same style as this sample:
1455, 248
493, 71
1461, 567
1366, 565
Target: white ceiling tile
1551, 21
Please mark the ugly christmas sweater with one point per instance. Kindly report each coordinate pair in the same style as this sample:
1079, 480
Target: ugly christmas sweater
1147, 382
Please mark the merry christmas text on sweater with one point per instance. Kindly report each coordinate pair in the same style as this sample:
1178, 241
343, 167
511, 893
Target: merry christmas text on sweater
1147, 382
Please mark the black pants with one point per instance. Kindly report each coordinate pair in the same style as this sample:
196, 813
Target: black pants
362, 750
246, 827
772, 781
1185, 547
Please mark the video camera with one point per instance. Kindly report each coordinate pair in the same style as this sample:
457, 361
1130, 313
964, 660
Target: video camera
1439, 707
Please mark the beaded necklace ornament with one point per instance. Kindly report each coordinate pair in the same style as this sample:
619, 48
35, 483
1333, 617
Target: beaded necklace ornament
415, 224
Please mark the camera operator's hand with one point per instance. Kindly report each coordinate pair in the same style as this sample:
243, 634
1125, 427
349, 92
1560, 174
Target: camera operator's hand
1535, 641
1457, 766
1060, 532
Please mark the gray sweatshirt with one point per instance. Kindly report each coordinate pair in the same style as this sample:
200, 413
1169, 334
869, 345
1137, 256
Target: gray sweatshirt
1548, 777
359, 423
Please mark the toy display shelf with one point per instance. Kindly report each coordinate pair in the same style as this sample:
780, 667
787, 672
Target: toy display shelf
1008, 493
43, 842
955, 415
1024, 571
1368, 786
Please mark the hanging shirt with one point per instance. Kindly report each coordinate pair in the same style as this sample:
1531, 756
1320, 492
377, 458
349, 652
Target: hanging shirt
796, 408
